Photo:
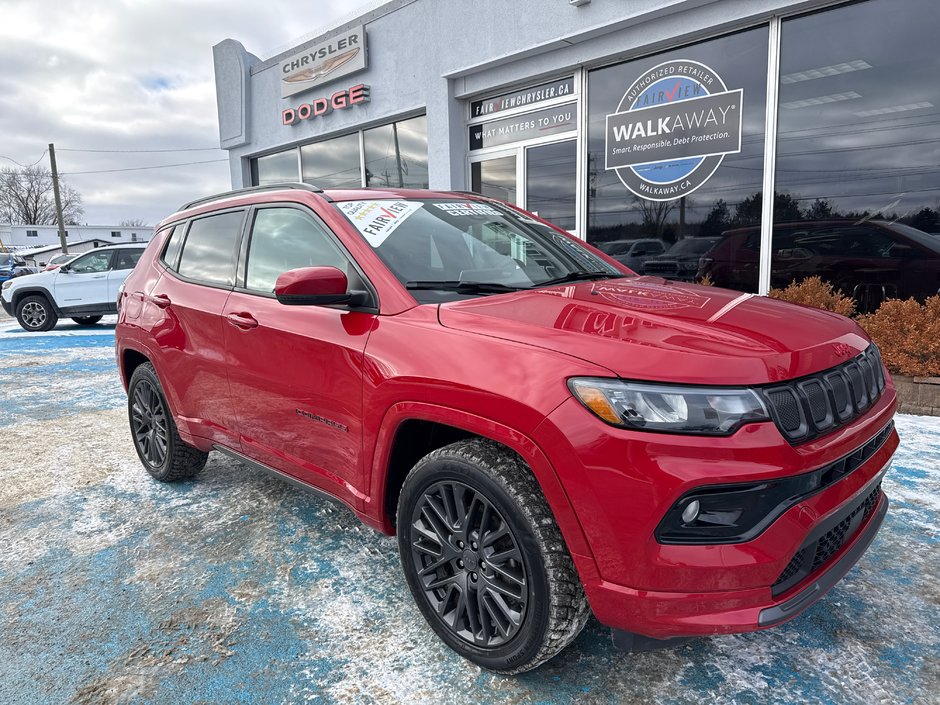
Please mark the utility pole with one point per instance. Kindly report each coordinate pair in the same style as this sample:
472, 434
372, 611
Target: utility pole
58, 200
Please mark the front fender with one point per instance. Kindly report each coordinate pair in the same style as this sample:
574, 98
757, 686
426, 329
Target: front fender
527, 449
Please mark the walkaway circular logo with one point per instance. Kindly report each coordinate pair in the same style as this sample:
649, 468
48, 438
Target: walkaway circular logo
672, 129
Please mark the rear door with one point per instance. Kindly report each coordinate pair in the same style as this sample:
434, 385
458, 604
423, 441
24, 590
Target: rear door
296, 371
199, 260
85, 281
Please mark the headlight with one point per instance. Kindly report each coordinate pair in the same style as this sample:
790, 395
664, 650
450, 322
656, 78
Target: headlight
6, 285
716, 411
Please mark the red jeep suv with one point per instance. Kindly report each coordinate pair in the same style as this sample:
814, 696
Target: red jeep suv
547, 433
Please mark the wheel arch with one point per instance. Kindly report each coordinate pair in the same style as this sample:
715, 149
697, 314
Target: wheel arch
410, 428
21, 293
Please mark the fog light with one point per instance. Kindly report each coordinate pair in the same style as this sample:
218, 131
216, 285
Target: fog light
690, 513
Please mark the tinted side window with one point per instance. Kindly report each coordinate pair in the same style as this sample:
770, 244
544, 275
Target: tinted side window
284, 239
91, 263
127, 259
172, 250
209, 250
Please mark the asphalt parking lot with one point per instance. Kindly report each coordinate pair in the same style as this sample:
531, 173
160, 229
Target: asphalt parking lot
236, 588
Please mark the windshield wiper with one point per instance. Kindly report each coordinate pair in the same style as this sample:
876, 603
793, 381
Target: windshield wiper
579, 277
463, 287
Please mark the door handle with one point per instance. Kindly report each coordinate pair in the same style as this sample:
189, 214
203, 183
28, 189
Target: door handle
99, 276
159, 300
242, 320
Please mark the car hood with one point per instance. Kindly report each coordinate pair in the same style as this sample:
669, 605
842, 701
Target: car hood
650, 328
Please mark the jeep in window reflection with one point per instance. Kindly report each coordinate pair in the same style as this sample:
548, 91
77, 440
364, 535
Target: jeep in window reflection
869, 260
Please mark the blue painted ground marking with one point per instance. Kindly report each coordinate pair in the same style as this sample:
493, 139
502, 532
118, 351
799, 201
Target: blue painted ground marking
237, 589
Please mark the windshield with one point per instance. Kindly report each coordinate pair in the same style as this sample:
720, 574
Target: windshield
446, 249
918, 236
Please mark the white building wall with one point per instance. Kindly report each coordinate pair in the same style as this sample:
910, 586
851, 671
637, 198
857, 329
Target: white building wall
19, 235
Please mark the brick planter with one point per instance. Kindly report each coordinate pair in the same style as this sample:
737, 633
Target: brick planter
918, 395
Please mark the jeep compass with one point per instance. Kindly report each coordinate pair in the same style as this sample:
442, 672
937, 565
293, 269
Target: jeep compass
548, 434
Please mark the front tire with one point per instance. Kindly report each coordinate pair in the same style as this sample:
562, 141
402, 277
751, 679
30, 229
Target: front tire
485, 560
86, 320
36, 315
158, 444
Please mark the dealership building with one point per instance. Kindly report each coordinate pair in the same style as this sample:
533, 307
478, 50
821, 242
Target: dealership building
649, 128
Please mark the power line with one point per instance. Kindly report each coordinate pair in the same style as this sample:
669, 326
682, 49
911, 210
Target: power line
26, 166
143, 151
142, 168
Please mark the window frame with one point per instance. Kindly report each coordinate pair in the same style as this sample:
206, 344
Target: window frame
241, 272
187, 224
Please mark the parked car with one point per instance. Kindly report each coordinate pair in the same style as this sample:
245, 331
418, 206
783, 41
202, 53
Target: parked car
633, 253
84, 289
681, 261
12, 266
869, 261
547, 434
57, 261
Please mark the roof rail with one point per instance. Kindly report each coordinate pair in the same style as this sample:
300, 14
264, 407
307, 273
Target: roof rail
299, 185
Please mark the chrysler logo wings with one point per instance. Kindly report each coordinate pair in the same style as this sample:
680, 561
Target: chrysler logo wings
322, 63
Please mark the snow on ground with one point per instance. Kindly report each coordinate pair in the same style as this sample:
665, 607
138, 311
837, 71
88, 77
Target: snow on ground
236, 588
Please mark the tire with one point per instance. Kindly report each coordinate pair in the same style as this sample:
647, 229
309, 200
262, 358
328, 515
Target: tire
161, 450
35, 314
450, 567
86, 320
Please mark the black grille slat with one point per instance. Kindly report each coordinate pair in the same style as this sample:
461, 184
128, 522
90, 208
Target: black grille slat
807, 407
816, 553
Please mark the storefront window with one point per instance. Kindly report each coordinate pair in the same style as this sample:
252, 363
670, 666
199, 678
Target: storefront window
332, 163
858, 176
551, 173
675, 158
275, 168
397, 154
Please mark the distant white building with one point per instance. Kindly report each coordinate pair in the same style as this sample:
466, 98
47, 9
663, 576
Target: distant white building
37, 236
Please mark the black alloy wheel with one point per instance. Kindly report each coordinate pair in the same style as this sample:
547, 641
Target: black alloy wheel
469, 564
484, 558
149, 424
164, 455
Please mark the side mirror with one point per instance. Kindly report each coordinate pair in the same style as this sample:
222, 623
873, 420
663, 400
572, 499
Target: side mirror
316, 286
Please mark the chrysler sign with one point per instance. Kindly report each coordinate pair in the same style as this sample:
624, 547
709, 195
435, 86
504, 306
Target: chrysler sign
672, 130
320, 64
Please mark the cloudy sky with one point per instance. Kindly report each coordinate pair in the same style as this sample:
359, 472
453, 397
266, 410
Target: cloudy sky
132, 75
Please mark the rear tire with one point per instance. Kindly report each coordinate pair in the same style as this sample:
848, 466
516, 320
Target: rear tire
86, 320
157, 442
485, 560
35, 314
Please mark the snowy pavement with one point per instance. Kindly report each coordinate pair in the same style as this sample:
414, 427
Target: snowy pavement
236, 588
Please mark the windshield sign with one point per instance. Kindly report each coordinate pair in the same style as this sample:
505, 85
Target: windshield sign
445, 249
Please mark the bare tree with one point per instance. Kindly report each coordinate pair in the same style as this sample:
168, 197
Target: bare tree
26, 197
133, 223
654, 213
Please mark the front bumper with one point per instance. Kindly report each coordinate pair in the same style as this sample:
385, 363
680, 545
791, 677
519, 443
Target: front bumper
621, 483
7, 306
667, 615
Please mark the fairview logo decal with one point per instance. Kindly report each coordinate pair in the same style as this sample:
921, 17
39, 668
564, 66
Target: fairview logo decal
672, 130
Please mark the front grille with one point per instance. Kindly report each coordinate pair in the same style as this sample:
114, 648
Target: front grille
810, 406
651, 267
814, 554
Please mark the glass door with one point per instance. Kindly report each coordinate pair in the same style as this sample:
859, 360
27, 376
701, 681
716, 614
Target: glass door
496, 178
551, 182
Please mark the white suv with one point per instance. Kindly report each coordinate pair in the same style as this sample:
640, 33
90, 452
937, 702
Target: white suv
84, 289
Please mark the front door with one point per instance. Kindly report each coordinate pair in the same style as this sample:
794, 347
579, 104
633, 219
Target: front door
296, 371
84, 282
